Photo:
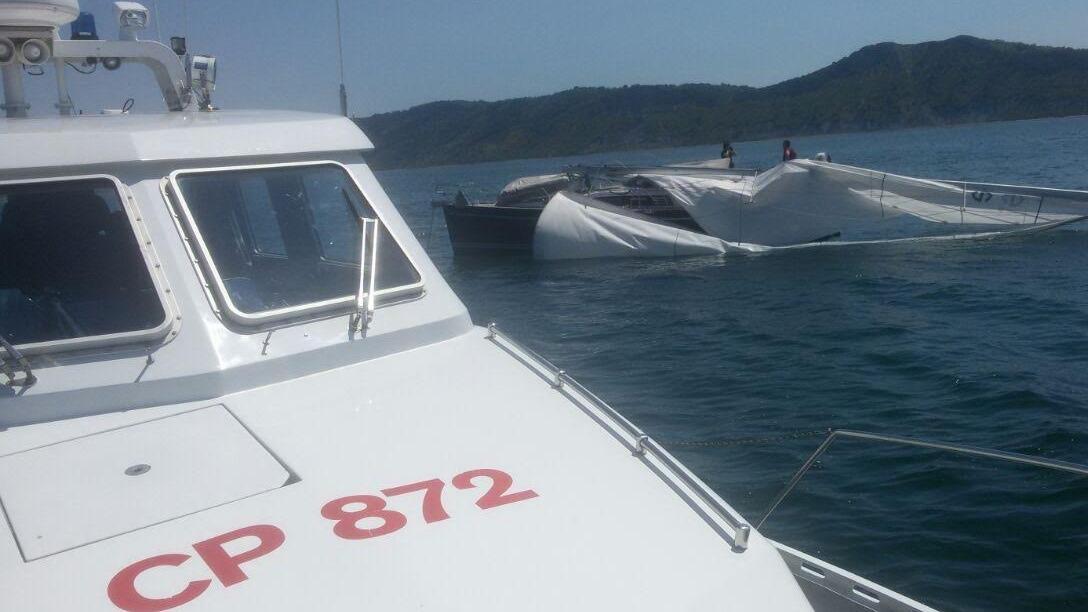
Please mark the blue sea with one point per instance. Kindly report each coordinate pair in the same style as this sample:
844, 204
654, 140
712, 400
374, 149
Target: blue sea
979, 343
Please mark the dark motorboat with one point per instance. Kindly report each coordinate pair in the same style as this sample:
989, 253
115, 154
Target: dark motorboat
507, 224
490, 228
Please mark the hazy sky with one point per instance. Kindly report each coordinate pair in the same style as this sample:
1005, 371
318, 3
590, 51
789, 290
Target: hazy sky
399, 53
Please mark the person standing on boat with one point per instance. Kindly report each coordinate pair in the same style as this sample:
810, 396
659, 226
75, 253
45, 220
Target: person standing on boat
788, 154
728, 152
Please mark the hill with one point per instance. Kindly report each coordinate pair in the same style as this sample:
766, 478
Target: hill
882, 86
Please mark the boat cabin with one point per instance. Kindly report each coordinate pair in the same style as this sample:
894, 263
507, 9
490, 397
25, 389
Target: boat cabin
262, 209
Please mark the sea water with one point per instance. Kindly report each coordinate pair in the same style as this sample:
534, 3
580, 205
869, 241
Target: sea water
979, 343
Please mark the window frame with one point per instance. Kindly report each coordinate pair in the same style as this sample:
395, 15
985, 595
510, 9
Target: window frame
219, 291
151, 263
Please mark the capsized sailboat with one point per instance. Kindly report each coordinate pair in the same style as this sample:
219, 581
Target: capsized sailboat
506, 225
798, 203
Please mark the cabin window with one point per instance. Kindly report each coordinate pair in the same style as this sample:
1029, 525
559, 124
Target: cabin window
71, 266
280, 241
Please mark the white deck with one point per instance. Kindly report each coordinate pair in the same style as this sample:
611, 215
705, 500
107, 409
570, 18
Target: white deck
604, 533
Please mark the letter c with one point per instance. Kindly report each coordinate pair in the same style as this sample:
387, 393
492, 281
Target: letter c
122, 588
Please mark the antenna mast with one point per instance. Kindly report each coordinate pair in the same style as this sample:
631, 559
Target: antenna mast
340, 57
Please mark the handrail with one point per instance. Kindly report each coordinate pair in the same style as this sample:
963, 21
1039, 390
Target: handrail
975, 451
640, 443
368, 272
29, 378
608, 171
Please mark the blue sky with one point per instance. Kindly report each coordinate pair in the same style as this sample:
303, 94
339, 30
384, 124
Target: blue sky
399, 53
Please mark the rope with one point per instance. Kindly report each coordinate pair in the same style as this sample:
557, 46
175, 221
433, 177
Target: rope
748, 441
430, 230
882, 179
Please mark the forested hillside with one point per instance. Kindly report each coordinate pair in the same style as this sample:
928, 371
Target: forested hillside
882, 86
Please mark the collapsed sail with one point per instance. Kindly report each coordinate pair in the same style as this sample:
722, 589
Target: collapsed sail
798, 203
574, 226
807, 201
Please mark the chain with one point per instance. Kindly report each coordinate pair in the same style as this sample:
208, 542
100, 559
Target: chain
751, 440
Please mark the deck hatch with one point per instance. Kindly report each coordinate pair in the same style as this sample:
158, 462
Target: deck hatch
74, 493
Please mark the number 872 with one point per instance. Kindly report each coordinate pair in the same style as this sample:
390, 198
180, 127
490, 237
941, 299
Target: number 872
349, 511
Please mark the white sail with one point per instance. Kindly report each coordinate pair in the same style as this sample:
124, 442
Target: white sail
573, 226
798, 203
805, 201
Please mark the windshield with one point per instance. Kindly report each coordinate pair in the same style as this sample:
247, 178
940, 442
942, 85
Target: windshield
70, 264
284, 239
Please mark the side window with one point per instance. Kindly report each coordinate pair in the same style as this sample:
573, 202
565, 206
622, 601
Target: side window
306, 218
70, 264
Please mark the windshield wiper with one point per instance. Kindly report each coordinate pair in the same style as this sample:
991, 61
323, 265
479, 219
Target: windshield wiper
368, 274
28, 378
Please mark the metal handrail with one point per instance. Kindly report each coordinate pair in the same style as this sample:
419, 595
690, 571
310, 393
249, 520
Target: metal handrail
368, 273
975, 451
608, 171
28, 378
640, 444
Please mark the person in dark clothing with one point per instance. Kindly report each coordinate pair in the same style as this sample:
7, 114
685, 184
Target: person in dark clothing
728, 152
788, 154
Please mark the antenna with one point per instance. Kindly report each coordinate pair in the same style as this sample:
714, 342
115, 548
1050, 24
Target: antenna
185, 18
340, 57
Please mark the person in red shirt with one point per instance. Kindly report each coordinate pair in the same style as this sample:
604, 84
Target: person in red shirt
788, 154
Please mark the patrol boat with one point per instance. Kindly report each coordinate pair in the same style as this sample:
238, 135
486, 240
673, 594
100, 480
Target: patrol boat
233, 380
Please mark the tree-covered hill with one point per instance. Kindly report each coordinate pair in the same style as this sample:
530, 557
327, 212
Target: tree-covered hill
881, 86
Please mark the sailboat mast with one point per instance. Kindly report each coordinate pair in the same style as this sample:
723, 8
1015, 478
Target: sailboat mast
340, 58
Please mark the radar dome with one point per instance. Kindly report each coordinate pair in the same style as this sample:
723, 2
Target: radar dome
37, 13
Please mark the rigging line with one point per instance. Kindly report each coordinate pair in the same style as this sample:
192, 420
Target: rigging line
740, 209
882, 179
430, 231
747, 441
1038, 210
962, 449
963, 206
